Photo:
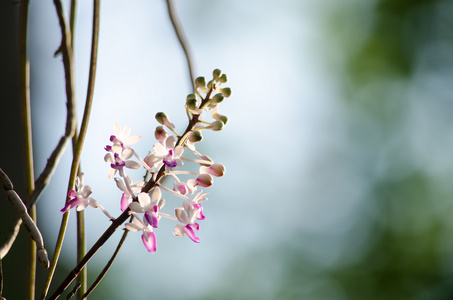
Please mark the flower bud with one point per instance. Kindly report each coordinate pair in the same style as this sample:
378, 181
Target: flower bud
191, 104
206, 158
226, 92
200, 82
204, 180
163, 119
216, 116
216, 74
160, 133
180, 187
217, 98
217, 170
191, 96
223, 78
195, 136
215, 126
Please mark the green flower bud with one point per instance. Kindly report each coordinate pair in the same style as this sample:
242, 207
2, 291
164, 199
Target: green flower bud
216, 74
163, 119
191, 96
160, 133
216, 116
160, 116
224, 119
226, 92
200, 82
216, 126
223, 78
210, 84
195, 136
191, 104
217, 98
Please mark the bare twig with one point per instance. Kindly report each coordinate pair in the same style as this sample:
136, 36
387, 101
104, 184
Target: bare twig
182, 41
109, 264
74, 290
81, 247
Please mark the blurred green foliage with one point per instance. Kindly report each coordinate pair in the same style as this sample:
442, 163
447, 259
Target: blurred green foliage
406, 210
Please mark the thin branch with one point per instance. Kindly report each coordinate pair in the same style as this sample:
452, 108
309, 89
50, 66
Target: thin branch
74, 290
72, 15
27, 150
109, 264
81, 248
182, 40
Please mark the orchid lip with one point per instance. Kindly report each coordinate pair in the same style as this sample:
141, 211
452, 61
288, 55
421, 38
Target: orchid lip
189, 230
171, 164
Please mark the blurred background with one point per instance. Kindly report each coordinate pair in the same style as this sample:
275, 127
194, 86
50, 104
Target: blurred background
338, 148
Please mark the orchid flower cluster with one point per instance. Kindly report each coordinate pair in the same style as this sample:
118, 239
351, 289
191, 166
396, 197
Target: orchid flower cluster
143, 200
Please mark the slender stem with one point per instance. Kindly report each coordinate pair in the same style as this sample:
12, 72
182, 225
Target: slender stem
32, 261
74, 290
81, 250
66, 50
27, 138
72, 16
56, 256
84, 127
109, 264
182, 40
81, 242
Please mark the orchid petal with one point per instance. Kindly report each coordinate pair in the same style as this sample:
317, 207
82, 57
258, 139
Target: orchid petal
170, 142
126, 199
156, 195
136, 207
132, 140
180, 214
189, 230
132, 164
120, 184
149, 240
127, 153
179, 150
144, 199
